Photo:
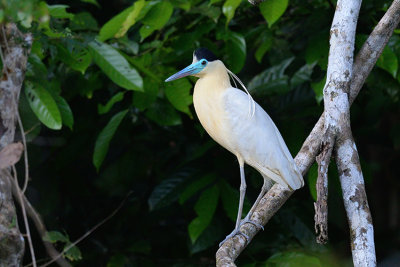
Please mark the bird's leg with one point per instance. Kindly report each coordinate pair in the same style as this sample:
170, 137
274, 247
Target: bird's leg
247, 219
241, 200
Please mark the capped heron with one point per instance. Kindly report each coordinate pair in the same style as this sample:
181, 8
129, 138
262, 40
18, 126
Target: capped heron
235, 121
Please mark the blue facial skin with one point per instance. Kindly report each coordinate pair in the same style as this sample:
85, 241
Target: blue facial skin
189, 70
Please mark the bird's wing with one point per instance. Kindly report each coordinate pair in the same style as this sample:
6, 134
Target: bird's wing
258, 140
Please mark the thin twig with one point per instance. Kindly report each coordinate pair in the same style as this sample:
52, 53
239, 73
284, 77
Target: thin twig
90, 231
25, 153
28, 232
41, 228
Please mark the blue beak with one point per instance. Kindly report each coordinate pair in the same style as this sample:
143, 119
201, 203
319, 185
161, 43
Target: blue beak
189, 70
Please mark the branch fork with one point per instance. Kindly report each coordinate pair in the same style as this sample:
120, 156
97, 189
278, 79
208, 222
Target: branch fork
345, 151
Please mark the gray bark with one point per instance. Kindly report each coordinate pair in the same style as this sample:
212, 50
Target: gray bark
15, 48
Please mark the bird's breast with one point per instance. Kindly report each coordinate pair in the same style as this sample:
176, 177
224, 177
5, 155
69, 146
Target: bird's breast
209, 106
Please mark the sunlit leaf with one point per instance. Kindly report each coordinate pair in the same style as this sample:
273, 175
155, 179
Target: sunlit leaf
120, 24
60, 12
65, 111
43, 105
156, 18
104, 138
272, 10
229, 8
115, 66
205, 208
101, 109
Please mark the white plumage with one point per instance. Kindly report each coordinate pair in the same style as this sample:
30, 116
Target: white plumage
224, 113
240, 125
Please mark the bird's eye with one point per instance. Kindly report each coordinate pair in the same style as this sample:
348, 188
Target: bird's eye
203, 62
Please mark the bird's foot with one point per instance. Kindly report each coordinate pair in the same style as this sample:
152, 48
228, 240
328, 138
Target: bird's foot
234, 232
247, 220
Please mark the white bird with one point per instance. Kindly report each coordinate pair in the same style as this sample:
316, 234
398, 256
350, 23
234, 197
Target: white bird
235, 121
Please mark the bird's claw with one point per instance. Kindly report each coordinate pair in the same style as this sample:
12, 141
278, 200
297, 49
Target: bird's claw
234, 232
246, 220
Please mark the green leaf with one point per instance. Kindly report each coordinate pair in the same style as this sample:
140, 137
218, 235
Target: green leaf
178, 93
183, 4
156, 18
230, 200
163, 113
59, 12
318, 50
115, 99
263, 48
31, 123
229, 8
115, 66
293, 259
65, 111
302, 75
120, 24
169, 189
83, 21
79, 61
196, 186
43, 105
93, 2
318, 88
388, 61
272, 80
104, 138
272, 10
73, 253
312, 176
54, 236
235, 51
208, 238
205, 208
144, 100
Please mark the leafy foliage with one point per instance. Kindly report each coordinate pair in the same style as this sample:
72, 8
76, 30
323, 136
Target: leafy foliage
97, 68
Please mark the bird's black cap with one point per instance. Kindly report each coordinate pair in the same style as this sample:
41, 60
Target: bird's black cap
202, 52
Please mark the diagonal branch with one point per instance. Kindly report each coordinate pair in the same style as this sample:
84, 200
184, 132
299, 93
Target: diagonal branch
321, 206
364, 62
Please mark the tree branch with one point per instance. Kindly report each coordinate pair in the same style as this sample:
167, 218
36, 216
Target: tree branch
321, 206
16, 47
364, 62
355, 202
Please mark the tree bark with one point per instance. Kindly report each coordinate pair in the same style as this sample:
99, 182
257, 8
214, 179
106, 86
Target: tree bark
353, 187
15, 48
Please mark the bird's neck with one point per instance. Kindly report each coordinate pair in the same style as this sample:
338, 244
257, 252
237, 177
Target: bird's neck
216, 80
